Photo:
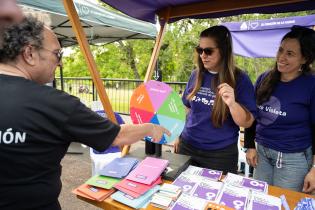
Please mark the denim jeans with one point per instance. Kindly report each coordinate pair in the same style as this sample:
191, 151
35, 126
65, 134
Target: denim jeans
286, 170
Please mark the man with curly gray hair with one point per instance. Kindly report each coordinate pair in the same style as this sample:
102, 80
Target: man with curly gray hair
37, 122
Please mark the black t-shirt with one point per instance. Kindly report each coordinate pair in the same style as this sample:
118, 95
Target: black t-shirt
37, 124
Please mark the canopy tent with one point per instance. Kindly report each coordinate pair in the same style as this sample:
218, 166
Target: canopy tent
261, 38
169, 11
100, 25
147, 10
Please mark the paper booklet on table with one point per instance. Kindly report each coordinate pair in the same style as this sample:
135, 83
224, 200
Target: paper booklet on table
241, 181
234, 197
188, 202
187, 182
102, 181
207, 189
75, 191
261, 201
148, 170
205, 172
135, 189
119, 167
135, 202
96, 193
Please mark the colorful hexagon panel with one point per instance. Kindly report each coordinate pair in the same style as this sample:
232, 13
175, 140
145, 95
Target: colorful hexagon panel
156, 102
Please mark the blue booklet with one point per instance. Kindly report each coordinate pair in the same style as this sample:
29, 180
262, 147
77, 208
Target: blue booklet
119, 167
136, 203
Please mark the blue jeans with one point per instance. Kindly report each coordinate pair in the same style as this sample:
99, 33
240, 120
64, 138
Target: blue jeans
286, 170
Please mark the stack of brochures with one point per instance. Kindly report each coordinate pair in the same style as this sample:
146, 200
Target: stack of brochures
100, 187
102, 181
135, 189
148, 170
167, 194
93, 193
137, 203
119, 167
140, 181
198, 186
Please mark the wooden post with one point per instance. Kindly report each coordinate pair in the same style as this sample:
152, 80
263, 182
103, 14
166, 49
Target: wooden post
154, 56
155, 53
85, 48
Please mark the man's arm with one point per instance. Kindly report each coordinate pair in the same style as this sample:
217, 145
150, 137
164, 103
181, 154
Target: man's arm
130, 134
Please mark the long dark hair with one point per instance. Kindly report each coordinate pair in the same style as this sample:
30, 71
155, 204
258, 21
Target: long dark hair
306, 39
227, 74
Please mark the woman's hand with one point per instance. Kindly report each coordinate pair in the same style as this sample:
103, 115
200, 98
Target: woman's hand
251, 157
176, 145
309, 182
227, 94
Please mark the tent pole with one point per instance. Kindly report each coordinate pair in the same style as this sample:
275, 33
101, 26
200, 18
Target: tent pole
154, 56
84, 45
156, 51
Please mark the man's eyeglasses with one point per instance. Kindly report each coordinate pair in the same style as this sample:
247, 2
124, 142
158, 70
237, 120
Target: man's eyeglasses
57, 54
207, 50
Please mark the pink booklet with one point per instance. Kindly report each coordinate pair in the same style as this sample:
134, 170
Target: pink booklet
135, 189
148, 170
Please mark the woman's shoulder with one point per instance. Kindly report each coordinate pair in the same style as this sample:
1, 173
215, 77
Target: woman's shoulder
241, 75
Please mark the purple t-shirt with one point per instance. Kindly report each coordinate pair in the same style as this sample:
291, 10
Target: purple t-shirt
199, 130
284, 122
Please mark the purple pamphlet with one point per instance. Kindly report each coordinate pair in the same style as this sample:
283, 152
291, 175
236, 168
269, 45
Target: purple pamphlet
261, 201
208, 190
240, 181
233, 197
205, 172
186, 182
187, 202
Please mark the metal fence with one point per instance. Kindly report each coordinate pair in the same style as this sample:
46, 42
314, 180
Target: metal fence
119, 91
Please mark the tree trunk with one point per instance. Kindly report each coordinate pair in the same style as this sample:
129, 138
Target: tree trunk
130, 56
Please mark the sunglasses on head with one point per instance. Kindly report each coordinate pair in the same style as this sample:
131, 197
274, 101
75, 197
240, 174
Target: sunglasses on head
207, 50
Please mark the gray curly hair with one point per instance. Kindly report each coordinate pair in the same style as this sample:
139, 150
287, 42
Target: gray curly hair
17, 36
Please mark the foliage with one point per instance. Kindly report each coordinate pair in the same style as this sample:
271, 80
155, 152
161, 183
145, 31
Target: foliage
176, 56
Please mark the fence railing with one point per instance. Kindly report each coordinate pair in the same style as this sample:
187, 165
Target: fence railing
119, 91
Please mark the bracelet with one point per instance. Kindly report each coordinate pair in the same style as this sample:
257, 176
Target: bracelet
313, 165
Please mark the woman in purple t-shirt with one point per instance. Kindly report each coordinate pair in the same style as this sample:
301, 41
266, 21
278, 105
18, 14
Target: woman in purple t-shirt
286, 116
219, 99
